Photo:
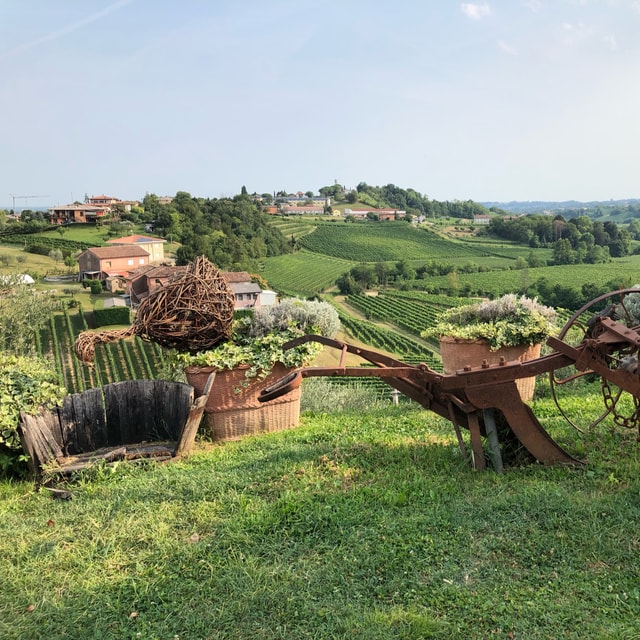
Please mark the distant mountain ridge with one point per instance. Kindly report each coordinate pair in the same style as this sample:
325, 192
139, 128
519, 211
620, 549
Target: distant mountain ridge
538, 206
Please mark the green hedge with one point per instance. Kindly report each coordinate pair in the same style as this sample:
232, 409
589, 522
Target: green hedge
112, 315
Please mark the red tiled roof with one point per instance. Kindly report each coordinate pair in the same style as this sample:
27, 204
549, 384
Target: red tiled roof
119, 251
236, 276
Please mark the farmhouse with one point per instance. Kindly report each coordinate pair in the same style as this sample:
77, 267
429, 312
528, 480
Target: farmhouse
153, 246
383, 214
65, 214
293, 210
141, 282
100, 263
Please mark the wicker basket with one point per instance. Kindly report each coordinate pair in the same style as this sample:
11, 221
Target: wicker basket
456, 354
233, 410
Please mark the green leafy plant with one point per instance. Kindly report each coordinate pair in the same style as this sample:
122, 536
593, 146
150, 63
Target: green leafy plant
257, 341
508, 321
25, 385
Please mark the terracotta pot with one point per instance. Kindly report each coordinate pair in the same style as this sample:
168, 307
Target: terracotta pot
456, 354
233, 410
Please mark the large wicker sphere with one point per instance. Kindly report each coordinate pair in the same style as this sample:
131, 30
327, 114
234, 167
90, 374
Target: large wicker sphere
192, 312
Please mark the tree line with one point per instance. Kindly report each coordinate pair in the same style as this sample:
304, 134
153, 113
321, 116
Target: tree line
231, 232
574, 241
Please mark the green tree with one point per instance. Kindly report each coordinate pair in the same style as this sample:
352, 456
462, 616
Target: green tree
562, 252
363, 274
23, 312
404, 271
347, 285
382, 273
70, 262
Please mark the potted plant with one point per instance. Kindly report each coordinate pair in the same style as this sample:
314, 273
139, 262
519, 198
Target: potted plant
254, 358
510, 327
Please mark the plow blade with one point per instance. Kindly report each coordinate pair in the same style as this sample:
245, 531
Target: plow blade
522, 422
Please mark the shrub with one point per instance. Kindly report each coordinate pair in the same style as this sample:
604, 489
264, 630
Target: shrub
258, 341
506, 321
112, 315
25, 385
95, 286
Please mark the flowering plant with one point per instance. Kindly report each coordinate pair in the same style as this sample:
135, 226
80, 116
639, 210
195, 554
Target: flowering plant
508, 321
257, 341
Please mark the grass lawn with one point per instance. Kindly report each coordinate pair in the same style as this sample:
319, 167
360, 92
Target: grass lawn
356, 525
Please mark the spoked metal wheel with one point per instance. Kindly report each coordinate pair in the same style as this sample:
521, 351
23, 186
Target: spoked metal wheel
624, 307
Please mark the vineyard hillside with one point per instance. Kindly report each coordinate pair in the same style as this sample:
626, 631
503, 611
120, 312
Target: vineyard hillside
495, 283
303, 273
389, 241
130, 359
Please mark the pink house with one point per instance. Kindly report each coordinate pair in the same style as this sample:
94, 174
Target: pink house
100, 263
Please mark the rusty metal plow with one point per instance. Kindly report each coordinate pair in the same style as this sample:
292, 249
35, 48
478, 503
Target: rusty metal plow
485, 399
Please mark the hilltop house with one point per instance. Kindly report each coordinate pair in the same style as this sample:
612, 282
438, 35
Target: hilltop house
383, 214
110, 201
65, 214
153, 246
309, 210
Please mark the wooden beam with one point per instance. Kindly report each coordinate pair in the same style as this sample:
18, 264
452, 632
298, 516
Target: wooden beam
190, 429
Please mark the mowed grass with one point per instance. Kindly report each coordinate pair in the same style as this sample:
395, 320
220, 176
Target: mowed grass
356, 525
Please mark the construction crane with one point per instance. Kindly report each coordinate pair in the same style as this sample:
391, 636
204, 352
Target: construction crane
26, 200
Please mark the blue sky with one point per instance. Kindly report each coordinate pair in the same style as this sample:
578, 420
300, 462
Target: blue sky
497, 100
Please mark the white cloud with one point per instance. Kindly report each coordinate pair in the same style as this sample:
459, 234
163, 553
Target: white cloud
475, 11
612, 42
575, 33
636, 6
507, 48
534, 5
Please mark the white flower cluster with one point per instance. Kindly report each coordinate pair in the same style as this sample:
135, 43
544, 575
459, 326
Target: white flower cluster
304, 316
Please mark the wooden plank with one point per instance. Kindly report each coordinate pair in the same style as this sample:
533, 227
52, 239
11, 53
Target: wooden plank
173, 404
52, 418
90, 420
158, 451
83, 431
128, 406
40, 443
68, 426
27, 445
190, 429
150, 450
115, 435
